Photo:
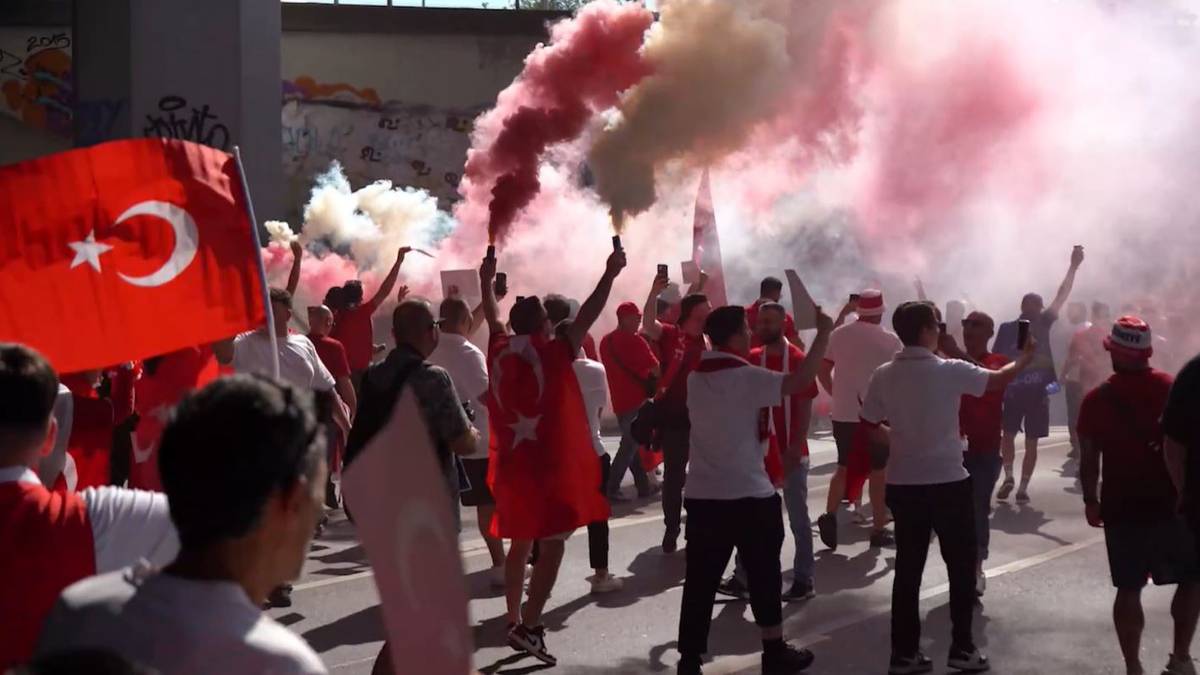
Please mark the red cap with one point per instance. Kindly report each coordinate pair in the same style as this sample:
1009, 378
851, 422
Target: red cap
870, 303
1130, 336
628, 309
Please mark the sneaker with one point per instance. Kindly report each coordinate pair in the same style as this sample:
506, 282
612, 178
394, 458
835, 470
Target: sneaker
670, 543
734, 588
881, 538
786, 661
688, 666
605, 584
1022, 495
800, 590
910, 665
280, 597
1180, 665
827, 527
969, 661
860, 515
533, 642
980, 584
496, 577
1006, 489
508, 632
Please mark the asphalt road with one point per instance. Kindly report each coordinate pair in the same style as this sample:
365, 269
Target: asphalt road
1047, 608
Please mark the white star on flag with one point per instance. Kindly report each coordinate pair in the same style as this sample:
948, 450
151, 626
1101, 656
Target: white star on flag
524, 429
88, 251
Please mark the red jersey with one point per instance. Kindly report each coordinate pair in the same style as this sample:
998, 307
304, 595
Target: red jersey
783, 422
332, 354
627, 358
589, 347
1121, 417
789, 325
680, 353
352, 327
980, 418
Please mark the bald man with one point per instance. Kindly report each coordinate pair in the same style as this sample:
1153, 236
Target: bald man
332, 353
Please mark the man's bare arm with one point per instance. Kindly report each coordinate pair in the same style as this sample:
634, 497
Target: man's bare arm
1068, 282
825, 376
814, 361
491, 308
590, 310
1089, 469
999, 379
345, 389
389, 282
293, 281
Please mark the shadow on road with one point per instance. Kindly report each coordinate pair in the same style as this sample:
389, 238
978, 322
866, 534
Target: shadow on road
362, 627
1022, 520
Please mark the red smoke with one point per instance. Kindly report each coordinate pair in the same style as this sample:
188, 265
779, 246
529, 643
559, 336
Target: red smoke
590, 60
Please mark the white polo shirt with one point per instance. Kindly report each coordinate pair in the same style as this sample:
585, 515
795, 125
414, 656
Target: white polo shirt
856, 350
593, 386
468, 370
299, 364
918, 394
726, 455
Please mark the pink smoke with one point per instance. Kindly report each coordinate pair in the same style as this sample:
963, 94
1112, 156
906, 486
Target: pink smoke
317, 273
589, 61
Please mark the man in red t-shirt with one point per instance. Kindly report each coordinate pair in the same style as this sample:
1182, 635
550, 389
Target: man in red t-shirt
771, 290
633, 374
1120, 435
352, 324
787, 453
981, 422
679, 347
1086, 365
333, 355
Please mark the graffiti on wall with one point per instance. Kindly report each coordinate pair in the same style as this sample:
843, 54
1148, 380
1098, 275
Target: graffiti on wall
414, 145
174, 118
35, 78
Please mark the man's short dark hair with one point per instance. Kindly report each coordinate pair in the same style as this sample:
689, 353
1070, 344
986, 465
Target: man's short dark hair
352, 292
335, 298
281, 296
910, 318
772, 307
724, 323
228, 447
769, 286
1032, 297
28, 387
557, 307
527, 315
689, 303
454, 310
410, 320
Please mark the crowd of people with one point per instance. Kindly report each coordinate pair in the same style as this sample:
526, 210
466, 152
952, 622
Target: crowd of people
925, 415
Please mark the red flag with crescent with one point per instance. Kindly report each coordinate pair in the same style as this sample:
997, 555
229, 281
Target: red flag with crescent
706, 244
543, 471
163, 384
125, 250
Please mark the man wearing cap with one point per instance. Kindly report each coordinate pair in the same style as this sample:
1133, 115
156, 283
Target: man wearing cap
1121, 442
1027, 402
855, 351
633, 374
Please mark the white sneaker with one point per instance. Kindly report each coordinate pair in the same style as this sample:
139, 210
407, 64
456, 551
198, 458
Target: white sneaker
860, 515
496, 577
605, 584
980, 584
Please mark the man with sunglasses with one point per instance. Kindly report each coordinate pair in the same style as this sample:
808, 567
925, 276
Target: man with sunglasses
981, 421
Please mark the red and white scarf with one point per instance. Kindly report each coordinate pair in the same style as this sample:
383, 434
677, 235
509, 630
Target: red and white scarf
712, 365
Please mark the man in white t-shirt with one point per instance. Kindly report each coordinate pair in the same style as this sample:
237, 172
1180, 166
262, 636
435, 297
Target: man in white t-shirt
259, 441
855, 351
918, 395
467, 367
731, 502
593, 387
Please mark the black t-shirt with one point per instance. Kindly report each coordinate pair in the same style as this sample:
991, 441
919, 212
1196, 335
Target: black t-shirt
1041, 372
1181, 423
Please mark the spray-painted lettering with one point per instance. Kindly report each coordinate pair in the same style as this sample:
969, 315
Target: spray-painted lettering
198, 124
52, 41
94, 120
371, 154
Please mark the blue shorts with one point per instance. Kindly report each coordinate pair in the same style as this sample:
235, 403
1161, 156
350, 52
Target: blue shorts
1027, 408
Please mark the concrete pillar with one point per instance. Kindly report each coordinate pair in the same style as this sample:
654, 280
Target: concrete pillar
202, 70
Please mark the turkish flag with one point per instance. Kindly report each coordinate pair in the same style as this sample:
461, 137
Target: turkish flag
164, 382
125, 250
543, 471
89, 447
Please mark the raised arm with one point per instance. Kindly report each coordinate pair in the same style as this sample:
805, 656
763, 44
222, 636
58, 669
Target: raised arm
847, 310
389, 282
294, 276
477, 319
804, 376
650, 324
491, 308
825, 376
700, 283
1068, 282
590, 310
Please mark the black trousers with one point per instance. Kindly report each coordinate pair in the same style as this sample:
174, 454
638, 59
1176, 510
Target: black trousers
919, 510
598, 531
675, 443
715, 528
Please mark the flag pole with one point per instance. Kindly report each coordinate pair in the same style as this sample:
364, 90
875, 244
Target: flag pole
262, 268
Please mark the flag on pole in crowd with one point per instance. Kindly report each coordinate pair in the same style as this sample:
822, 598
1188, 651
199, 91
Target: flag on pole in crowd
402, 510
706, 244
125, 250
542, 470
804, 308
